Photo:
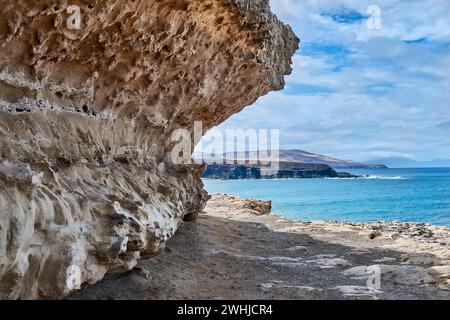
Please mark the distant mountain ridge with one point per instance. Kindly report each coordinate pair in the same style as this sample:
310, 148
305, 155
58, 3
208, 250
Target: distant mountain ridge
293, 156
408, 163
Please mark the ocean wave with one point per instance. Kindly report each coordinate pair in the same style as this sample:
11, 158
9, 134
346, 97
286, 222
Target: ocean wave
370, 177
383, 177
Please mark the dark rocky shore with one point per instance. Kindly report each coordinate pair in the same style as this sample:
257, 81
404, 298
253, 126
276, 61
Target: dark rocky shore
290, 170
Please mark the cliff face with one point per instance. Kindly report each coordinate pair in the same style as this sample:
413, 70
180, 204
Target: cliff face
288, 170
87, 115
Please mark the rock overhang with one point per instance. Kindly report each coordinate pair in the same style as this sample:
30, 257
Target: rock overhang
86, 116
163, 60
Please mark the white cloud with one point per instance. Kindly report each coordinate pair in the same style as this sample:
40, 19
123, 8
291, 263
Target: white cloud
377, 96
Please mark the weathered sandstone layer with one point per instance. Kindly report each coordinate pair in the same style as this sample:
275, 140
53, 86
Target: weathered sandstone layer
87, 115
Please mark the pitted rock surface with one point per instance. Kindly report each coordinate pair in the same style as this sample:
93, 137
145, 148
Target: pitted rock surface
87, 115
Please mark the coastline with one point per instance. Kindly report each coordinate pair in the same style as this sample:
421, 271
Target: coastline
407, 195
236, 250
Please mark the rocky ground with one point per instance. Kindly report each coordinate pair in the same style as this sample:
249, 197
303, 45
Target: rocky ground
235, 250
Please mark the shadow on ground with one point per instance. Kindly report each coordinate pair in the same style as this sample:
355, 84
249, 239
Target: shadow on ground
218, 258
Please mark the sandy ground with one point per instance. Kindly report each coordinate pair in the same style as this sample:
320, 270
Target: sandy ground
232, 252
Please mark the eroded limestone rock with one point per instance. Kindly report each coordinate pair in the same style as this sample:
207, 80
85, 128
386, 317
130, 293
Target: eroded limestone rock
250, 206
87, 184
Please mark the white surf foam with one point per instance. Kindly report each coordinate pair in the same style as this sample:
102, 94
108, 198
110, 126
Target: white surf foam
383, 177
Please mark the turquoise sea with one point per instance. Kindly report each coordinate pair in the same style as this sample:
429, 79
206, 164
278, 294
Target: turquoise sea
409, 195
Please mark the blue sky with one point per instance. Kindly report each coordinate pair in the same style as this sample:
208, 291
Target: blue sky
359, 93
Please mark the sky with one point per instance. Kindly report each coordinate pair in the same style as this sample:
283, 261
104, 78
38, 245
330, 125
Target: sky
371, 80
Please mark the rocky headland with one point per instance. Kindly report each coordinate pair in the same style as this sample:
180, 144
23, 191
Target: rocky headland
237, 250
285, 170
287, 156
